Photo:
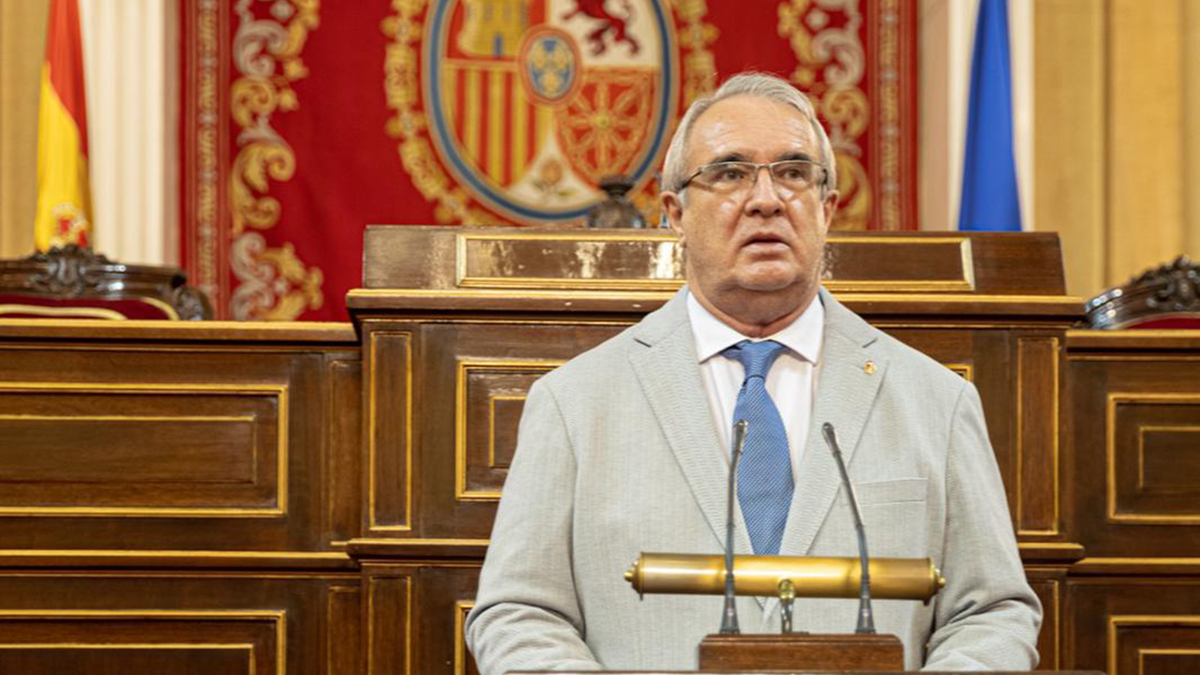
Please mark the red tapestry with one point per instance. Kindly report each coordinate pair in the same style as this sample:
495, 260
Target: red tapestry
304, 121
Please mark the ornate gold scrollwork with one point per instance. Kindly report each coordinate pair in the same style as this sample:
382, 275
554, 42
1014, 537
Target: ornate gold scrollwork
838, 55
273, 283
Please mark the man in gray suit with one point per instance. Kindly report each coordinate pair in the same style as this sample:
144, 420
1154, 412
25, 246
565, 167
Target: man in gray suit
626, 448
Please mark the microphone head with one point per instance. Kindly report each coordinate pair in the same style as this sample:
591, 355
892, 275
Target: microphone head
829, 433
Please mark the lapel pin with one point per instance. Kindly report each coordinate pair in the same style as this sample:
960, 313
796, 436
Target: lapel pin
869, 368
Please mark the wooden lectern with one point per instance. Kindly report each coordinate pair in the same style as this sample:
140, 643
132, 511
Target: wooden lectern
851, 653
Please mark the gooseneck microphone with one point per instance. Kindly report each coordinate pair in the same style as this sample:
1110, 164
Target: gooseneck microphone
866, 620
729, 621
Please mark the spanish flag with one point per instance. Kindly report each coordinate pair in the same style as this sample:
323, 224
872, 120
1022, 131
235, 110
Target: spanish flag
64, 206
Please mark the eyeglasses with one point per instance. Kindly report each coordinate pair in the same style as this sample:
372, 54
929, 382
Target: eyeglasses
791, 175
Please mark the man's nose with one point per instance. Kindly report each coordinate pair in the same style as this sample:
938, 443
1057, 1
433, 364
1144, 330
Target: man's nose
764, 197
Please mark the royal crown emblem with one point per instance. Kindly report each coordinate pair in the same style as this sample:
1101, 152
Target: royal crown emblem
525, 105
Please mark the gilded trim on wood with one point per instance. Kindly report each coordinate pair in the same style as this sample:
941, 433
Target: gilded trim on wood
964, 370
1110, 452
463, 370
279, 391
1143, 653
277, 617
372, 590
331, 597
415, 541
492, 424
372, 419
464, 279
1116, 621
461, 609
1054, 437
1141, 451
535, 294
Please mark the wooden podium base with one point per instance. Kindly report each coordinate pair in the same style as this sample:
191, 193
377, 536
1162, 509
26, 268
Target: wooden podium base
801, 651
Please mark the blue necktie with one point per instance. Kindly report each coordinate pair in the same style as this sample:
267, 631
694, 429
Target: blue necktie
764, 480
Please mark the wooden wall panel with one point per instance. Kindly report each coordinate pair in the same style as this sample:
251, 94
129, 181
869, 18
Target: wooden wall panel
78, 448
1111, 80
343, 630
416, 613
468, 381
1048, 586
388, 617
177, 623
1144, 109
212, 659
344, 456
1136, 483
1135, 626
22, 51
1152, 448
389, 366
1037, 419
235, 641
163, 439
489, 399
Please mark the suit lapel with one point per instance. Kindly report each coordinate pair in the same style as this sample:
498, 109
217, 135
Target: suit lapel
844, 397
667, 368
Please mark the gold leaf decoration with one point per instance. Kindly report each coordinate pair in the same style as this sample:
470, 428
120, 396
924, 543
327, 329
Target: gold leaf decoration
834, 51
273, 283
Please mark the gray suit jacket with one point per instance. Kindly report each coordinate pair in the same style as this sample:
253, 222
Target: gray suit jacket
617, 455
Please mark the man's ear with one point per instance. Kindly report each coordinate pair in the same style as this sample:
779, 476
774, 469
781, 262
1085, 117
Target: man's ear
830, 205
672, 209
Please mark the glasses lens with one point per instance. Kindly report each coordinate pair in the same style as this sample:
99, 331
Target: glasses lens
727, 176
795, 174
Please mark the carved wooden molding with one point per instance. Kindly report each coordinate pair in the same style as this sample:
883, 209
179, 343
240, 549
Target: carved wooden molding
72, 272
1171, 289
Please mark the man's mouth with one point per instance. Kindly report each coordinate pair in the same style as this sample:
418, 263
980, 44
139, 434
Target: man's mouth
764, 242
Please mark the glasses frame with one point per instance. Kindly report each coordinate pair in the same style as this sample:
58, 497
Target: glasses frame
758, 169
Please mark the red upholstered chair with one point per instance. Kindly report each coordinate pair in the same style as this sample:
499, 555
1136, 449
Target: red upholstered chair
1164, 298
75, 283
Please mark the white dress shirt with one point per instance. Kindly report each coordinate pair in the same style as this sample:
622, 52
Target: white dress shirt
791, 380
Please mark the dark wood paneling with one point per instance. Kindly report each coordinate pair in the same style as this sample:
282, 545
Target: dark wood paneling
418, 612
489, 398
395, 453
389, 404
130, 448
56, 622
243, 642
217, 659
607, 260
388, 617
344, 459
1036, 510
178, 440
1155, 462
1131, 626
1135, 434
468, 379
1047, 583
343, 631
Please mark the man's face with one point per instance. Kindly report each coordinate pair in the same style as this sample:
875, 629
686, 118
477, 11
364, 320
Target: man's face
762, 239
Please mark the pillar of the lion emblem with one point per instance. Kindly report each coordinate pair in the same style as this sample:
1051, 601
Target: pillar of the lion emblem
607, 22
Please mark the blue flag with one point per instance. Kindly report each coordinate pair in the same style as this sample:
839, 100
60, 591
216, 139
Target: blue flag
989, 191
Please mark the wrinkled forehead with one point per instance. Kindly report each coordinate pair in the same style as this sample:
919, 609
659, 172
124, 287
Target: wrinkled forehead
750, 128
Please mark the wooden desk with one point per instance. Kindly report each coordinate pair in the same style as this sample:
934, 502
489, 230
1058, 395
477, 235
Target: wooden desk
324, 493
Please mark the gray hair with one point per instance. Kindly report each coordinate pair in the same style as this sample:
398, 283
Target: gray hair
744, 84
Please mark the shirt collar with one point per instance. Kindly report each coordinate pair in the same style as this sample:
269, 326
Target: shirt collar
802, 336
